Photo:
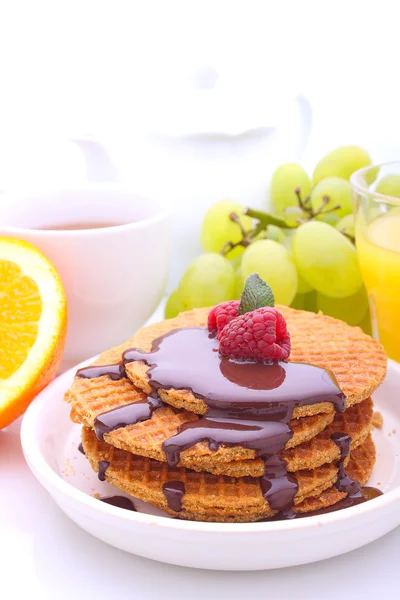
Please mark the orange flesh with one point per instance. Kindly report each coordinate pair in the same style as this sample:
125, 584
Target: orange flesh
20, 311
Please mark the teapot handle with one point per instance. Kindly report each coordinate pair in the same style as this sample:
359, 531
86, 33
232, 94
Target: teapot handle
99, 166
306, 119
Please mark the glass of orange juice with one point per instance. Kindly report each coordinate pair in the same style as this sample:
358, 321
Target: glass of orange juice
376, 191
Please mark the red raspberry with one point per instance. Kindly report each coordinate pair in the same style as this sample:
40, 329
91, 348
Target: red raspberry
221, 315
259, 335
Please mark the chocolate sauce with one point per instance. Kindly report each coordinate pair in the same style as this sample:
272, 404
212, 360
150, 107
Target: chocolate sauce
103, 466
277, 485
267, 437
114, 372
174, 492
129, 414
365, 495
81, 450
249, 404
344, 483
119, 501
189, 359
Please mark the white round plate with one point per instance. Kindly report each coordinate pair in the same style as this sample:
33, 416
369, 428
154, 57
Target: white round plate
50, 444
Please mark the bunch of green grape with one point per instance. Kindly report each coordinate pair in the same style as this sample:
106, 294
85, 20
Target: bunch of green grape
304, 250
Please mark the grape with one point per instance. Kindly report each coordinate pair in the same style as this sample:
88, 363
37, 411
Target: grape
217, 227
338, 191
287, 242
305, 301
298, 302
275, 233
275, 265
293, 215
351, 309
310, 301
371, 175
331, 218
302, 286
236, 262
208, 280
284, 181
326, 259
341, 162
346, 225
174, 305
389, 186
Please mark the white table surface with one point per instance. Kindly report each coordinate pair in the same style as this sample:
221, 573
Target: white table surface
44, 555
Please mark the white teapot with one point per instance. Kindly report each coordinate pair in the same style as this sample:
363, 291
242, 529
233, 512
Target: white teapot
211, 145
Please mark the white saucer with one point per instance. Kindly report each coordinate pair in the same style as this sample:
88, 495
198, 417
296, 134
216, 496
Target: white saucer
50, 444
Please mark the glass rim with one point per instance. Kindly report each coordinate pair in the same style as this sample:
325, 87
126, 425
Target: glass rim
354, 181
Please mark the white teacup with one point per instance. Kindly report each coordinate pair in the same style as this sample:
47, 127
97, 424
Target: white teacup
114, 276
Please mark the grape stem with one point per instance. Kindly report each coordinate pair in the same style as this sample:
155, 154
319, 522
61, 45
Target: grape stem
246, 236
303, 204
235, 218
265, 219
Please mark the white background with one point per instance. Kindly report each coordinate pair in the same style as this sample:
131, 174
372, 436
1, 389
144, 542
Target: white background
118, 69
70, 68
95, 66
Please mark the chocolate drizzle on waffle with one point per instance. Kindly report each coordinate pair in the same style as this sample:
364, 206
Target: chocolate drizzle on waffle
365, 495
102, 468
114, 372
344, 483
249, 404
267, 438
129, 414
174, 492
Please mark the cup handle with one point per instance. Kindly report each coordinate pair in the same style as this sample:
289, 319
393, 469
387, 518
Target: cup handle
99, 165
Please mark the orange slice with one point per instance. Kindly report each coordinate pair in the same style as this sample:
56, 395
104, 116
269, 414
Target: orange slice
33, 323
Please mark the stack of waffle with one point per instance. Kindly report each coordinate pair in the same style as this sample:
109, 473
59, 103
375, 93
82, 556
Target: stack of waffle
224, 484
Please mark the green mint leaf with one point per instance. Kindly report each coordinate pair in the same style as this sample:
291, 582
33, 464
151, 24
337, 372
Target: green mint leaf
256, 294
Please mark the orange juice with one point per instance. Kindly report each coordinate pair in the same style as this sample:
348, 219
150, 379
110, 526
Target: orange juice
378, 245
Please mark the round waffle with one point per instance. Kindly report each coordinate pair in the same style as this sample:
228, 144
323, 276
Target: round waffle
92, 397
309, 447
218, 498
357, 361
355, 421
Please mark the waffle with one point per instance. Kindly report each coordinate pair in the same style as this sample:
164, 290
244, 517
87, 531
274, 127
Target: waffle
218, 498
357, 361
92, 397
359, 467
303, 451
356, 422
